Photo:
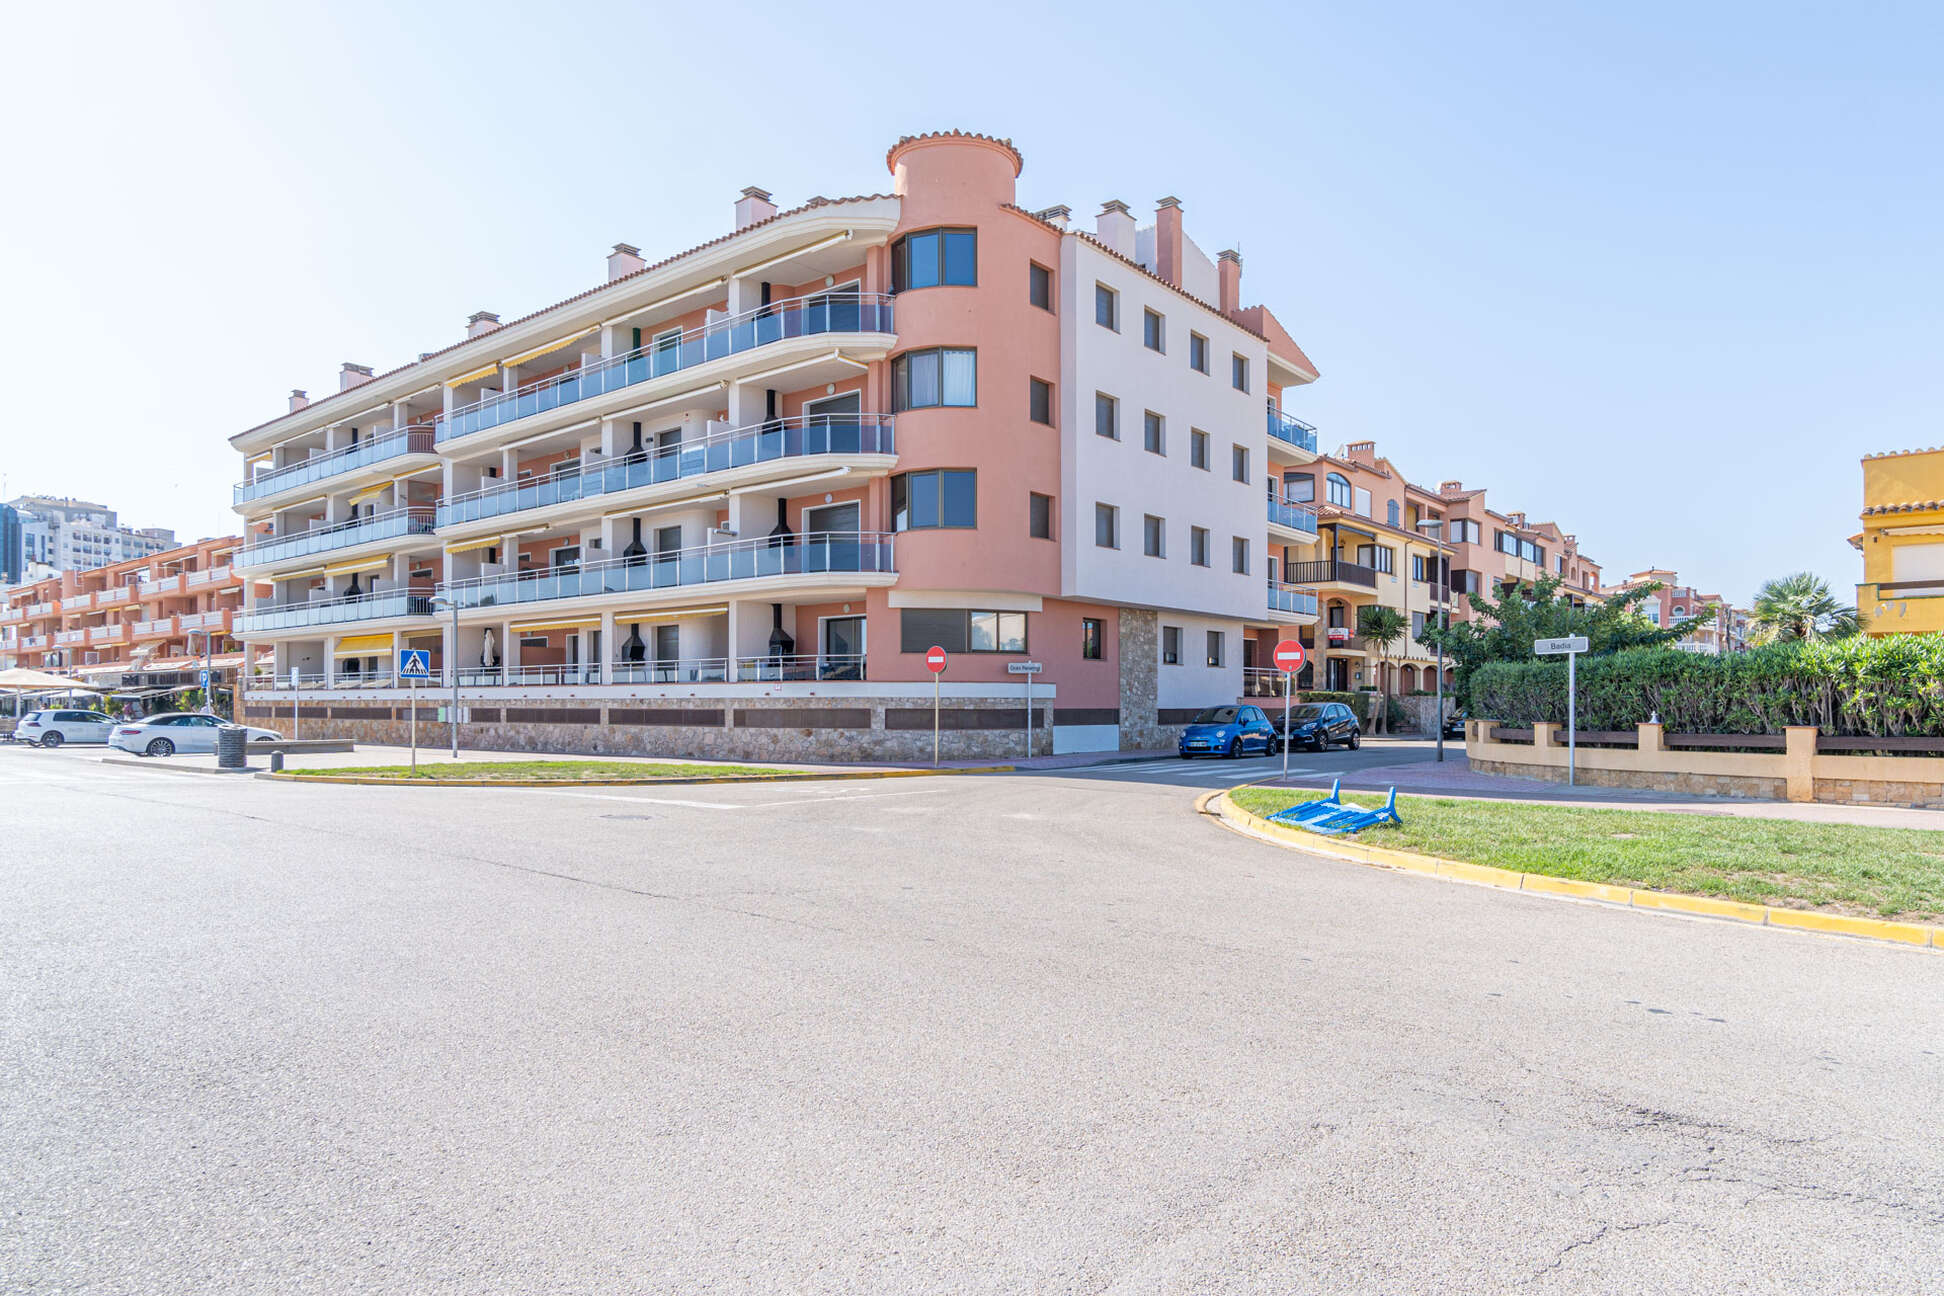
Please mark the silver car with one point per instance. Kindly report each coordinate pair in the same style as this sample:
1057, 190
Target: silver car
52, 728
187, 732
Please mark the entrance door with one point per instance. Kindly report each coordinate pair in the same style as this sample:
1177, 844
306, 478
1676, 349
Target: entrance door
842, 654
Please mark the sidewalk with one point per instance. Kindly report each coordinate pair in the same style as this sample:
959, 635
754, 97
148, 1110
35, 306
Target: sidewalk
1455, 778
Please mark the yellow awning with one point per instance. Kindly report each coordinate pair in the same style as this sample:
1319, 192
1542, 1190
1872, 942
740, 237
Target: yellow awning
467, 546
549, 348
523, 627
474, 376
667, 614
358, 565
305, 574
363, 645
370, 492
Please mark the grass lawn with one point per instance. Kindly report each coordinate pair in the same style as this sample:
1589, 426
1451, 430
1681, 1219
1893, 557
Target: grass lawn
1840, 868
565, 771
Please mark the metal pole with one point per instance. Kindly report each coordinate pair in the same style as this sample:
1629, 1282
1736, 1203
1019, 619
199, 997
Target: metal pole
1572, 718
1029, 717
1289, 678
934, 719
414, 705
453, 666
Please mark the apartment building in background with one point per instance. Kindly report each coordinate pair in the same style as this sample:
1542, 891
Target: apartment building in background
725, 501
64, 534
1492, 551
129, 625
1902, 543
1726, 627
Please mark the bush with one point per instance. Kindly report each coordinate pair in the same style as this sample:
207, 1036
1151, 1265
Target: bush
1862, 687
1362, 703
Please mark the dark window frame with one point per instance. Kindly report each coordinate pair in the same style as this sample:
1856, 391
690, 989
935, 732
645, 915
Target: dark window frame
901, 489
1037, 276
901, 378
1197, 353
1154, 330
1154, 433
1039, 393
1112, 406
1154, 536
901, 259
1110, 299
1093, 639
951, 629
1039, 509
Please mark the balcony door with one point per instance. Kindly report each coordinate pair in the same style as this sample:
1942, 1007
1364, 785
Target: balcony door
842, 653
830, 537
831, 424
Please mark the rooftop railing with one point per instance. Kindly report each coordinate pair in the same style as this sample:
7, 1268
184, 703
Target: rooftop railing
817, 434
797, 317
413, 520
332, 611
1291, 430
416, 439
811, 554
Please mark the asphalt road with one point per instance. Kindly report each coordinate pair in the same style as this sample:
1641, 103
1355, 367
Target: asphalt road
1045, 1032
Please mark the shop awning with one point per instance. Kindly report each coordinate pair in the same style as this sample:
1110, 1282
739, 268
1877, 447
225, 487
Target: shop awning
362, 645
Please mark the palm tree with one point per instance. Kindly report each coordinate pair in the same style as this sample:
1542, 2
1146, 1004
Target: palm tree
1800, 606
1381, 627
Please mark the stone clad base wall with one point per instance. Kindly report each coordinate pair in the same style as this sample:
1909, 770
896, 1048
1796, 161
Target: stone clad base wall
1686, 784
756, 729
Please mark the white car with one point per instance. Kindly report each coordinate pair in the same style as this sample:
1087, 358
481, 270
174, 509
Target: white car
52, 728
183, 731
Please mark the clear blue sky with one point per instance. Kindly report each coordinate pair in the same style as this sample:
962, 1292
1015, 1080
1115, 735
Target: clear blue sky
1661, 272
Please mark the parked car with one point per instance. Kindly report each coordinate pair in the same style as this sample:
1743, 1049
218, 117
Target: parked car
182, 731
1455, 723
1228, 731
1316, 725
52, 728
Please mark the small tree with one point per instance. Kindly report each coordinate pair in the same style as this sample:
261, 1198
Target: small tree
1800, 606
1382, 627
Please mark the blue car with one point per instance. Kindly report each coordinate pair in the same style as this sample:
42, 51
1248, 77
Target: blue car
1228, 731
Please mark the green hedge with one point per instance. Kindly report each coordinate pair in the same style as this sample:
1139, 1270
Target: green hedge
1860, 686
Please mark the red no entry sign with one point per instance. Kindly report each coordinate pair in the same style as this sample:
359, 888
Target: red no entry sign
1289, 656
935, 660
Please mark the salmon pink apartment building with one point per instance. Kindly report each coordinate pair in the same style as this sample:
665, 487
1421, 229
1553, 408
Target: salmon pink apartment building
724, 501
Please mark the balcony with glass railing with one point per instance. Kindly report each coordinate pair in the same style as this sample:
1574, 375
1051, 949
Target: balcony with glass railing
161, 584
416, 439
814, 554
415, 520
114, 597
1291, 431
63, 638
798, 317
771, 441
77, 602
1288, 513
107, 634
158, 627
1293, 599
301, 613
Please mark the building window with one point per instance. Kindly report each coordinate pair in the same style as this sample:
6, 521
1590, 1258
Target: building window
1239, 372
1198, 449
1039, 515
1039, 401
1198, 546
961, 630
1106, 307
943, 497
1198, 353
1106, 416
1171, 645
1153, 536
940, 376
1039, 286
1215, 646
1090, 639
940, 256
1339, 488
1106, 526
1379, 558
1239, 555
1151, 438
1239, 463
1151, 331
1363, 502
1300, 487
1391, 513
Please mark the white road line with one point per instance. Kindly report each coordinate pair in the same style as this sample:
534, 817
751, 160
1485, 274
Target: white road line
726, 805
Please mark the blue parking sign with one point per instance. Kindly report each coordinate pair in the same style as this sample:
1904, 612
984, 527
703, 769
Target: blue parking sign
414, 663
202, 679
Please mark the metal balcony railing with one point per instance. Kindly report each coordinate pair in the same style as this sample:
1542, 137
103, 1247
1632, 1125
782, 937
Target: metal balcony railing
801, 668
416, 439
811, 554
839, 434
797, 317
417, 519
1292, 431
1329, 571
332, 611
1292, 599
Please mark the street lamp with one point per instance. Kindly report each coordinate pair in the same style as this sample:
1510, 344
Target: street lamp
452, 664
1436, 527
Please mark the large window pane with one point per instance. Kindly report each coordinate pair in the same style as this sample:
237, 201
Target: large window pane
961, 380
985, 632
923, 499
924, 379
1012, 632
961, 257
960, 506
900, 505
922, 249
920, 628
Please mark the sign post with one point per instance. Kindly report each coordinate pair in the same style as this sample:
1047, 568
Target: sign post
1028, 669
1289, 659
935, 663
1570, 648
414, 664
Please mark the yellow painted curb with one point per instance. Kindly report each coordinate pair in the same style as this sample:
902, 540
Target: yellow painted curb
1219, 807
291, 776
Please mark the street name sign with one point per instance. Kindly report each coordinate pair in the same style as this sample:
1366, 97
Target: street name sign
1024, 668
1559, 647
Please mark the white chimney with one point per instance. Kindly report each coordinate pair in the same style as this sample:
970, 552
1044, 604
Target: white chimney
351, 375
1115, 227
482, 322
298, 399
753, 206
1056, 215
624, 260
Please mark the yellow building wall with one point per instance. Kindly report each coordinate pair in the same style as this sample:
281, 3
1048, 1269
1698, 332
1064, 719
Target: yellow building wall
1891, 481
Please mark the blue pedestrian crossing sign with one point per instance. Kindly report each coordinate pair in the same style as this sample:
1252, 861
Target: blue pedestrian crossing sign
415, 663
202, 678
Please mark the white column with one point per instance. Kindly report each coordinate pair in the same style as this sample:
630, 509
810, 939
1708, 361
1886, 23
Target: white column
607, 648
734, 619
509, 648
330, 660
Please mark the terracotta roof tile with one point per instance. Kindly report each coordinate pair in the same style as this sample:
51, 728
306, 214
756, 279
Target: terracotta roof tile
1019, 159
1909, 506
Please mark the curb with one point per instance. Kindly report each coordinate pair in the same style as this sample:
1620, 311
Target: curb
152, 763
1236, 819
288, 776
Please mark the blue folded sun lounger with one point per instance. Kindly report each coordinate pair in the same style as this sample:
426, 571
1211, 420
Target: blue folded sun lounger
1304, 811
1331, 818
